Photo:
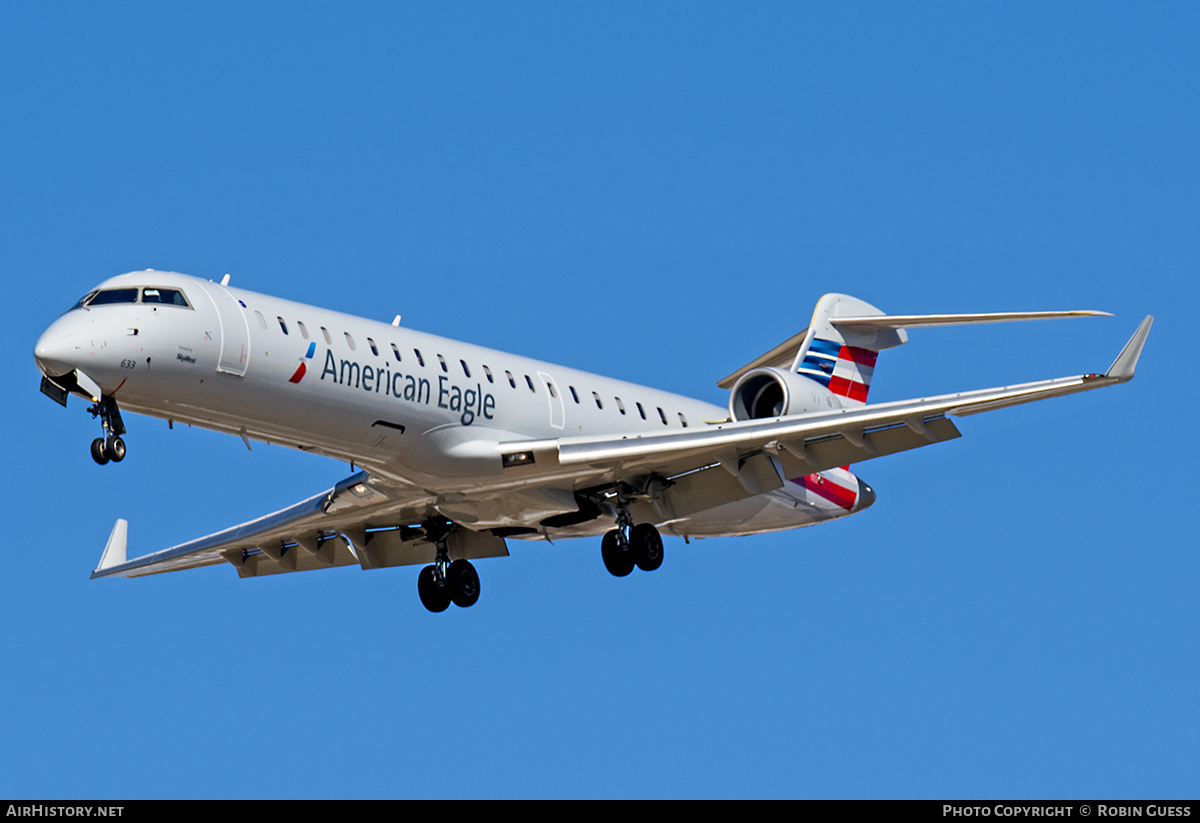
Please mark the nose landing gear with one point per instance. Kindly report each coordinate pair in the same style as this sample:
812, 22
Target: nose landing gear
110, 446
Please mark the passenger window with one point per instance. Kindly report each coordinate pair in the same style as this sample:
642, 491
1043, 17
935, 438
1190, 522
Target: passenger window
262, 321
466, 371
488, 373
442, 360
328, 339
553, 391
303, 330
683, 420
374, 348
641, 411
511, 382
396, 351
599, 405
282, 325
620, 405
350, 341
663, 415
529, 381
420, 359
574, 394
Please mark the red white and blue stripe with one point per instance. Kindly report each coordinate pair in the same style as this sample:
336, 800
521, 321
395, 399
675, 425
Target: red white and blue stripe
844, 370
837, 486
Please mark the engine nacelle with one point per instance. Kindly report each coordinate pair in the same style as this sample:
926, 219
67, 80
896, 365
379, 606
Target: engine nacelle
770, 392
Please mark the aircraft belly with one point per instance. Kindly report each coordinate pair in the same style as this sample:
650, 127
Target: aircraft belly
516, 509
774, 511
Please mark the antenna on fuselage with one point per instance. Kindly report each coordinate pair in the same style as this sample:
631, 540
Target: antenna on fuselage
225, 280
396, 322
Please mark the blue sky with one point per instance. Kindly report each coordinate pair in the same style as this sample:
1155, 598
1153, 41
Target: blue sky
658, 192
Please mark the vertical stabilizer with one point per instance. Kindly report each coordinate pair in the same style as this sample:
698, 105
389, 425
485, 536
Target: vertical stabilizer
843, 360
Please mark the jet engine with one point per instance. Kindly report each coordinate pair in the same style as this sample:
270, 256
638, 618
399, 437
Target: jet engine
771, 392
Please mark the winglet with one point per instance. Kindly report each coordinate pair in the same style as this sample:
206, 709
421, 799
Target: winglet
114, 550
1122, 368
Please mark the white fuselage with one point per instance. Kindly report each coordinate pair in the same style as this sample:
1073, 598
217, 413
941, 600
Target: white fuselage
416, 408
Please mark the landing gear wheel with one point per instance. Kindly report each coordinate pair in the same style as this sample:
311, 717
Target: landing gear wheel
110, 446
99, 452
115, 449
646, 546
618, 559
462, 581
434, 593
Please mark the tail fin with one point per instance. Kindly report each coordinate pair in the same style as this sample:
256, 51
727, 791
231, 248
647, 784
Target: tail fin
842, 359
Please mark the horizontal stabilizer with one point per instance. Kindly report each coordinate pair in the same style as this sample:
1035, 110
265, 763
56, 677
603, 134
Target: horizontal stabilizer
784, 355
917, 321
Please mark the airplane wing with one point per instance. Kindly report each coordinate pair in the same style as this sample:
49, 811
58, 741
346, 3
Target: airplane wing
759, 454
311, 535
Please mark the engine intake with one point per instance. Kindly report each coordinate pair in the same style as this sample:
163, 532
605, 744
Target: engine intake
770, 392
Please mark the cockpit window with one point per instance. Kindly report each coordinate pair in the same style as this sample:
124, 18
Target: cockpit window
83, 301
153, 296
108, 296
171, 297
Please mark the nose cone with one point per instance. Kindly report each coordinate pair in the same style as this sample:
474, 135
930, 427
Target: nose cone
866, 496
56, 351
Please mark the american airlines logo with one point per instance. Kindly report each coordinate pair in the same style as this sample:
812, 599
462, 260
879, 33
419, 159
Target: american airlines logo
302, 369
469, 403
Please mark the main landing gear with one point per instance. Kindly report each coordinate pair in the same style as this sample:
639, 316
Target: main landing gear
446, 582
628, 545
110, 446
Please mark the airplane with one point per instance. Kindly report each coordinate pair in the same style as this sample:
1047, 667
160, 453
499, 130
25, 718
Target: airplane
459, 448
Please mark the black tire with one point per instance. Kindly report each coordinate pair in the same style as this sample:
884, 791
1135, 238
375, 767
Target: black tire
115, 449
618, 561
463, 582
99, 452
434, 597
647, 547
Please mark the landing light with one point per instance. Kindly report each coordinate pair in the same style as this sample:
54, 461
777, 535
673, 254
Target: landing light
517, 459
